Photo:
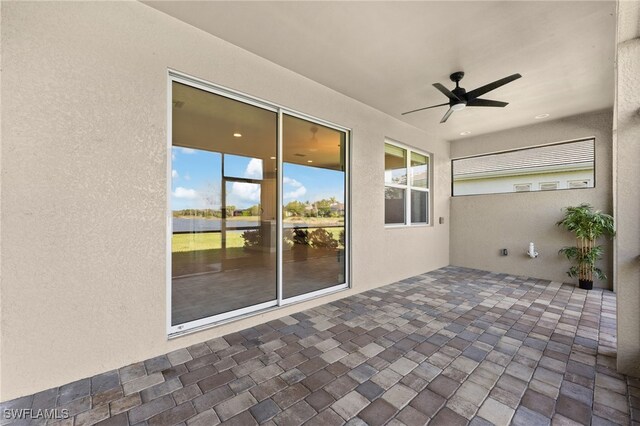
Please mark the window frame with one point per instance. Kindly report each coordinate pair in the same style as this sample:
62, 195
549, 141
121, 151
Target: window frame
178, 330
408, 188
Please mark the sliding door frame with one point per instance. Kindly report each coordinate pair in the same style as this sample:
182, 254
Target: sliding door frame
212, 321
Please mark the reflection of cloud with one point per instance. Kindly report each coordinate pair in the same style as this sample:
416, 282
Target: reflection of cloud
296, 193
190, 194
174, 174
292, 182
299, 190
188, 151
254, 169
245, 191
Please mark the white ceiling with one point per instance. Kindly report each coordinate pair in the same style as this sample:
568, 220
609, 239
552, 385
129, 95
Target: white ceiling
387, 54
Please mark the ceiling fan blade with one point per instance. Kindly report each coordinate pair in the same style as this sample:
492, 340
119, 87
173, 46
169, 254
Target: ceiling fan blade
447, 115
486, 103
491, 86
420, 109
448, 93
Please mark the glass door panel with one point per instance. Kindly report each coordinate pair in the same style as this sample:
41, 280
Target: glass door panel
223, 202
314, 207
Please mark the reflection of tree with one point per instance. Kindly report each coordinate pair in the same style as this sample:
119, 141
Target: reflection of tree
295, 208
211, 196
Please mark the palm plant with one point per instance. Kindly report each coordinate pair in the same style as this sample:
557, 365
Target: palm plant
588, 225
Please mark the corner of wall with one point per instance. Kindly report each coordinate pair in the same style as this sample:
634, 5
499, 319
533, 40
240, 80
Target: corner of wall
626, 175
1, 328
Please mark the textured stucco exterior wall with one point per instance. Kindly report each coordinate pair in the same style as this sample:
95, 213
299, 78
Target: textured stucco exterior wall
627, 177
83, 165
483, 224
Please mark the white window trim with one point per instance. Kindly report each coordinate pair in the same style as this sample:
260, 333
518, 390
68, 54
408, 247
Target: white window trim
408, 188
178, 330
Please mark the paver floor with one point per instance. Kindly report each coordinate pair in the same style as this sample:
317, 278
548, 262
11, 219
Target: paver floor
453, 346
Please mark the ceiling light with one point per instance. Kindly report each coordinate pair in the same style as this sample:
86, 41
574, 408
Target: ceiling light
539, 116
458, 106
309, 161
465, 133
237, 135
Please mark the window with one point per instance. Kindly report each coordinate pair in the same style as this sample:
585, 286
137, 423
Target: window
258, 214
566, 165
406, 191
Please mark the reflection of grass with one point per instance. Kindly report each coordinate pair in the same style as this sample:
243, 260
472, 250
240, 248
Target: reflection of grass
205, 241
212, 240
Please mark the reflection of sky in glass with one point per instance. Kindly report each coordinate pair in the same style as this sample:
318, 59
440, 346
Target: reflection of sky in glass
303, 183
195, 179
197, 176
242, 167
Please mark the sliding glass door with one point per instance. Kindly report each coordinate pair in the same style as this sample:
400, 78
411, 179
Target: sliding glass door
223, 205
314, 188
244, 235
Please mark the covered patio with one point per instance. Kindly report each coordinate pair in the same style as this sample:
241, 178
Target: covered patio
454, 346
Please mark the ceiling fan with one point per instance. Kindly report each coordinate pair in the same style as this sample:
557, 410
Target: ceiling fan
460, 98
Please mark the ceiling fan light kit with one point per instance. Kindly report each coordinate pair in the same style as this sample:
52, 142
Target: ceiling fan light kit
459, 98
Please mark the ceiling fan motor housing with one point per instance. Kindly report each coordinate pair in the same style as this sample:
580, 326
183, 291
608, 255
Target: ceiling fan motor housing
460, 99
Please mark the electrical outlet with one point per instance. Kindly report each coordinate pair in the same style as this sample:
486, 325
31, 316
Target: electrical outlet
503, 252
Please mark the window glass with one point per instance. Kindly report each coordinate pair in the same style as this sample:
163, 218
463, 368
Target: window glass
395, 165
419, 200
313, 195
223, 198
394, 205
419, 170
568, 165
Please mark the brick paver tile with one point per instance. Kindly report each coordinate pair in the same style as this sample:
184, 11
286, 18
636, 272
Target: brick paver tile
235, 405
428, 402
526, 417
573, 409
446, 417
295, 415
327, 417
92, 416
173, 416
117, 420
319, 400
370, 390
411, 416
399, 396
265, 410
350, 405
496, 412
377, 413
150, 409
206, 418
290, 395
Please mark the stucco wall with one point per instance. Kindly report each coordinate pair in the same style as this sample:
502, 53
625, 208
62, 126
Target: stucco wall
627, 183
84, 184
483, 224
